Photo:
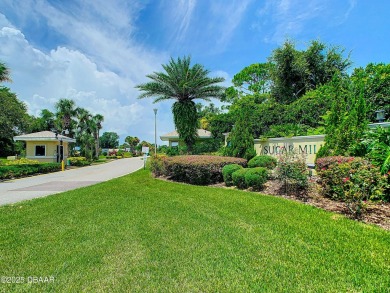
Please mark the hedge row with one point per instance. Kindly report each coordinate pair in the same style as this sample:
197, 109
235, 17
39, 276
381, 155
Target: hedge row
79, 161
195, 169
15, 171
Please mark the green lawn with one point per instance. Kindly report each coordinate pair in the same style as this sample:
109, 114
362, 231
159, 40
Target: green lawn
139, 234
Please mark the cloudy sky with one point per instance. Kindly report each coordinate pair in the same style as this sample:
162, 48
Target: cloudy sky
96, 51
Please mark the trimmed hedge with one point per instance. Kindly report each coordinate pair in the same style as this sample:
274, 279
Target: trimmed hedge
263, 161
197, 169
256, 177
227, 172
16, 171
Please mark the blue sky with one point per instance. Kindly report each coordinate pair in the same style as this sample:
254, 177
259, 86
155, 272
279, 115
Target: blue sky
96, 51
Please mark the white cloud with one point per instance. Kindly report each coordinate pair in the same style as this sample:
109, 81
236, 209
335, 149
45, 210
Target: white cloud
281, 19
40, 79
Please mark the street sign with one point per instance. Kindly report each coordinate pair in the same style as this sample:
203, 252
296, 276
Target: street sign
145, 150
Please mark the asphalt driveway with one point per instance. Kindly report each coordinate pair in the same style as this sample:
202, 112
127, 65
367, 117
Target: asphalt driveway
13, 191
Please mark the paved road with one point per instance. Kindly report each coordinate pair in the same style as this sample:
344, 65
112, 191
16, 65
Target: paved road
13, 191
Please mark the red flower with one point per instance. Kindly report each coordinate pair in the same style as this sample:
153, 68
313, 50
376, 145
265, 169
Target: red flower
345, 179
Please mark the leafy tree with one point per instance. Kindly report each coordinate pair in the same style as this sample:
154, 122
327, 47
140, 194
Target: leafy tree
295, 72
133, 142
346, 122
109, 140
4, 73
183, 83
374, 79
240, 140
253, 79
13, 120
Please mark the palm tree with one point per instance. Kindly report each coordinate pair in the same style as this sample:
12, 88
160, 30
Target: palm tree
4, 73
97, 121
66, 112
85, 131
183, 83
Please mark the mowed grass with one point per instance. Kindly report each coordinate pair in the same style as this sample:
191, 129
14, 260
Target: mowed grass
139, 234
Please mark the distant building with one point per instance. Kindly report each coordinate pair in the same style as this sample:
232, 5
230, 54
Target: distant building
46, 146
173, 137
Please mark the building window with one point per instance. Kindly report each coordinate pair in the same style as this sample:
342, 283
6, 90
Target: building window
174, 143
40, 150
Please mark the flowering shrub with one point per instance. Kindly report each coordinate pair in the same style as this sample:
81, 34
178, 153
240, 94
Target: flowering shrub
22, 161
256, 177
157, 165
238, 178
227, 172
199, 170
263, 161
292, 170
78, 161
324, 163
353, 181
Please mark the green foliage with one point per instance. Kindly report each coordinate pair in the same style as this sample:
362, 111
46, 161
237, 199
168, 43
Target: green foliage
352, 180
157, 165
265, 161
292, 170
256, 177
238, 178
22, 161
240, 140
199, 170
109, 140
346, 122
186, 121
13, 120
206, 147
296, 72
375, 146
227, 172
183, 83
22, 170
374, 81
79, 161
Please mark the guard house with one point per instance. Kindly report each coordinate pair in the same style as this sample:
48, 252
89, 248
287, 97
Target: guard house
173, 137
46, 146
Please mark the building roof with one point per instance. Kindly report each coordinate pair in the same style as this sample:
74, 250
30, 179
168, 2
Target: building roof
174, 135
43, 136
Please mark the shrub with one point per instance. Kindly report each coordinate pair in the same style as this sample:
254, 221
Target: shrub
104, 154
292, 170
238, 178
22, 161
353, 181
21, 170
157, 165
324, 163
263, 161
78, 161
127, 155
256, 177
199, 170
227, 172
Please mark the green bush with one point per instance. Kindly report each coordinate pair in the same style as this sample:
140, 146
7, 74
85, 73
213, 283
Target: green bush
22, 161
227, 172
256, 177
157, 165
263, 161
292, 170
22, 170
324, 163
127, 155
340, 176
238, 178
78, 161
197, 169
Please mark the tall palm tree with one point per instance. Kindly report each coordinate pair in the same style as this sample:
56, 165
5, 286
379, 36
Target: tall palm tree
183, 83
97, 122
66, 112
4, 73
85, 131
